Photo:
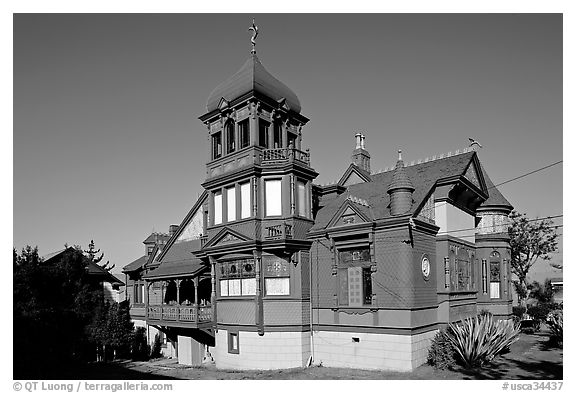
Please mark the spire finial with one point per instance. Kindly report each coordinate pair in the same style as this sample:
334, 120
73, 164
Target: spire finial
399, 154
254, 29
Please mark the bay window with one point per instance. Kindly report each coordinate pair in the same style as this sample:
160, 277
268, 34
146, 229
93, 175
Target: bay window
355, 276
238, 278
273, 189
277, 277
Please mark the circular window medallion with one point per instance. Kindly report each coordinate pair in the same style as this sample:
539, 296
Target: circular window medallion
425, 267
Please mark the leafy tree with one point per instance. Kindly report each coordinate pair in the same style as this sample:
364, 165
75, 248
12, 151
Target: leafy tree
57, 299
530, 241
542, 293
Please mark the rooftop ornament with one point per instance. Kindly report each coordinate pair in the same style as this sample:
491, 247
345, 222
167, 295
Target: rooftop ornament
254, 29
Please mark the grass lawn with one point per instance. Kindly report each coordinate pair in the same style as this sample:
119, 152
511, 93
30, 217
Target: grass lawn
529, 358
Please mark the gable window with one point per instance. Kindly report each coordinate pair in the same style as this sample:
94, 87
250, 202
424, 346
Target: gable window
217, 145
218, 207
243, 134
238, 278
273, 189
263, 130
231, 203
355, 277
495, 275
277, 277
245, 200
230, 137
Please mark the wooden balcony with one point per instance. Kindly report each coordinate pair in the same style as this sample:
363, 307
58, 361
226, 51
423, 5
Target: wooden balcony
184, 316
278, 232
281, 155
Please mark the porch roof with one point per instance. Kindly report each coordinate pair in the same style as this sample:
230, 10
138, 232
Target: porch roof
179, 261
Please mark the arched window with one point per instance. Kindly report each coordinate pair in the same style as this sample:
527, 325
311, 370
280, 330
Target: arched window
230, 137
495, 275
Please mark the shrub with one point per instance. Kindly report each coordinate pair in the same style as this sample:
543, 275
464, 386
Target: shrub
518, 312
156, 348
555, 322
478, 340
441, 354
139, 348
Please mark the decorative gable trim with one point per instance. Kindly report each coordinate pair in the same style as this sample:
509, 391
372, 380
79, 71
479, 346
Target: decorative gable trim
184, 224
354, 172
223, 104
226, 235
473, 174
348, 214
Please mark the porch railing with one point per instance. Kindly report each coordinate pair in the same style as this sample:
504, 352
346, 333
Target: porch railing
272, 156
192, 314
279, 231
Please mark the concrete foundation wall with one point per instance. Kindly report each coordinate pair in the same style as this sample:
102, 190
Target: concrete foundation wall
372, 351
273, 350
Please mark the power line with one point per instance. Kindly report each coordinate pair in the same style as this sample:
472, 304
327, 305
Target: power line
504, 182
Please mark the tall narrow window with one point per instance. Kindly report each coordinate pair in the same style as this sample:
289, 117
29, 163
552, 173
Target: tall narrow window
292, 139
263, 130
230, 137
233, 343
231, 203
463, 271
243, 134
277, 135
217, 207
245, 200
216, 145
495, 275
273, 197
301, 203
484, 277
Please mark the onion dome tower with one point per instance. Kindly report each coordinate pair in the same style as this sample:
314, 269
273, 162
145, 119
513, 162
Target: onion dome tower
400, 189
259, 205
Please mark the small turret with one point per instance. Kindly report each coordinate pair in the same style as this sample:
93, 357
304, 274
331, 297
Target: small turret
400, 189
360, 156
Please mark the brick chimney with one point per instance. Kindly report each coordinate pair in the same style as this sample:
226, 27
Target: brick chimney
360, 156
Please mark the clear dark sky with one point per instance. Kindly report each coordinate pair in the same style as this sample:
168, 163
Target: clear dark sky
108, 145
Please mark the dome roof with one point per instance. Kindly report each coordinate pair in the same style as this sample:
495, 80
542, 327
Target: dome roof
252, 77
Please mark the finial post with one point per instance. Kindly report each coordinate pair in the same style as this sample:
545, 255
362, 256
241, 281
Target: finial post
399, 154
254, 30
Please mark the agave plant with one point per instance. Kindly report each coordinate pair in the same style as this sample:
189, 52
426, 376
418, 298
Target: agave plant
555, 321
479, 339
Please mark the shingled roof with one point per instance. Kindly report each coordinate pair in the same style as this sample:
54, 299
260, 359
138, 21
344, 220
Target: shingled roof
252, 76
179, 261
495, 198
423, 177
135, 265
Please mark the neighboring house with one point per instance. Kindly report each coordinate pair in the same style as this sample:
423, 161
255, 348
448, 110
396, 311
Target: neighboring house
269, 269
111, 285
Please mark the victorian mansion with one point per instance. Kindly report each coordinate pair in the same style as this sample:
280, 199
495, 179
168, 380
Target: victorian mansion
271, 270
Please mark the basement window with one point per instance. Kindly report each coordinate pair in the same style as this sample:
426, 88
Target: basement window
233, 342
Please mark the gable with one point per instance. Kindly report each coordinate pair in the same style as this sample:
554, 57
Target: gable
353, 178
225, 237
472, 175
347, 215
427, 213
353, 175
194, 228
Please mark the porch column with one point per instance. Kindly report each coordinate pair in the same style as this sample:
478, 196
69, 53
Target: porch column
285, 134
213, 294
196, 290
178, 291
162, 292
147, 296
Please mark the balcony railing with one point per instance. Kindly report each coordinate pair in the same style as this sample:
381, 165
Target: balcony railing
279, 231
187, 314
273, 156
